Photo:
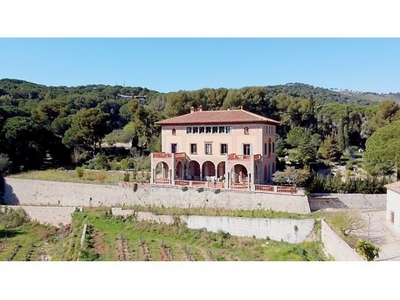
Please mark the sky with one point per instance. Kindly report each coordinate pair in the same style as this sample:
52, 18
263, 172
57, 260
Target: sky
172, 64
172, 46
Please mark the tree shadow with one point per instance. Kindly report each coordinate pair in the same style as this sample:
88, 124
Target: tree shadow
10, 233
7, 196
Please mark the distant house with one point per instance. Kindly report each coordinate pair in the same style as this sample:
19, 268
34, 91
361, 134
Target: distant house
234, 147
393, 205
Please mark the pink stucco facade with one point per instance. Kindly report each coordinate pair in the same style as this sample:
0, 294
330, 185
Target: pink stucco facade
230, 147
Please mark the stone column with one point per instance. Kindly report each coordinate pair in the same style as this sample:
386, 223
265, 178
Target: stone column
152, 176
172, 179
251, 179
226, 172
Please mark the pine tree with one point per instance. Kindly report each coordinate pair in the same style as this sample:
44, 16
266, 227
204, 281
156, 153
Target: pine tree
306, 151
334, 152
312, 120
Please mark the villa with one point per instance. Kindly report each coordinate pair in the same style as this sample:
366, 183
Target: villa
226, 148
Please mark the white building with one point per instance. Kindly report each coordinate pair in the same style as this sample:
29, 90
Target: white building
393, 205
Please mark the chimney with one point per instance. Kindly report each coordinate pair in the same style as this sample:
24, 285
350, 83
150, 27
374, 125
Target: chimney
201, 108
192, 110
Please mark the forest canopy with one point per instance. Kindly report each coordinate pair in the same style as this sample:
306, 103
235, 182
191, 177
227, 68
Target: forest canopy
67, 125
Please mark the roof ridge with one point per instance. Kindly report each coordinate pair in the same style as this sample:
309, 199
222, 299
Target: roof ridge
215, 116
256, 115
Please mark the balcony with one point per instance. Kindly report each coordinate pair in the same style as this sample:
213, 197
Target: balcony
161, 155
234, 156
181, 156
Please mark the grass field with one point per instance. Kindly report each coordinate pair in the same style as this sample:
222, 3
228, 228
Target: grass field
110, 177
63, 175
113, 238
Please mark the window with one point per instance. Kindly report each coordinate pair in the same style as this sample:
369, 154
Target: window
208, 148
246, 149
224, 148
193, 148
188, 129
269, 147
246, 130
228, 129
392, 216
201, 129
215, 129
273, 147
195, 129
174, 147
221, 129
265, 148
208, 129
173, 131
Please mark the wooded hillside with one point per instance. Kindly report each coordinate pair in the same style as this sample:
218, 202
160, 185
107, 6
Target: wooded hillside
67, 125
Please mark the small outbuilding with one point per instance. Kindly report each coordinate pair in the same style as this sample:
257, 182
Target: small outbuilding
393, 205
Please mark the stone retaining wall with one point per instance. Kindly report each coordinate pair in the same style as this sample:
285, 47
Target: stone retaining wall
51, 215
287, 230
37, 192
335, 246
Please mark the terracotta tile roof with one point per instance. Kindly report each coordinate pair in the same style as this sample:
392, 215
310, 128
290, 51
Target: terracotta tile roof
237, 116
395, 187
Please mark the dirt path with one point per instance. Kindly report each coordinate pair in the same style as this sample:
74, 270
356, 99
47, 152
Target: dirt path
98, 245
165, 253
205, 255
122, 249
145, 250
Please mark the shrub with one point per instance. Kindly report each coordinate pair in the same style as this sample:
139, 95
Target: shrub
102, 162
350, 165
10, 218
113, 164
126, 177
144, 163
101, 176
134, 174
127, 163
79, 172
90, 176
367, 250
148, 177
135, 187
5, 163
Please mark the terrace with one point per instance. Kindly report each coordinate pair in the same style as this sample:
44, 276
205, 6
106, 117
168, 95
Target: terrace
245, 186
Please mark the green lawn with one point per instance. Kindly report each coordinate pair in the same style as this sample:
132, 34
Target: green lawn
89, 176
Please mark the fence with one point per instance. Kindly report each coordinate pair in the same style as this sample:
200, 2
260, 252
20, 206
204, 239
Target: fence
235, 186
